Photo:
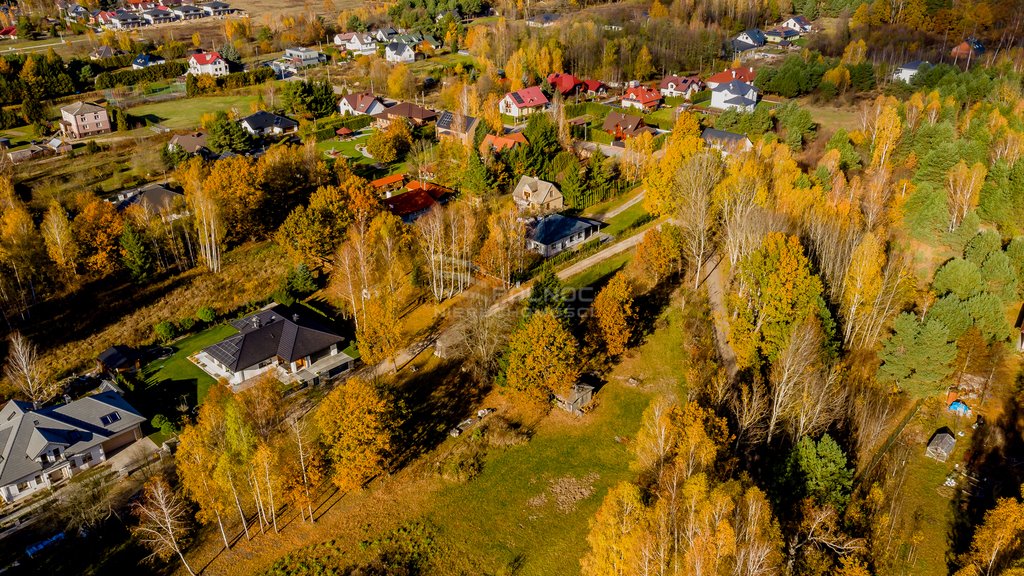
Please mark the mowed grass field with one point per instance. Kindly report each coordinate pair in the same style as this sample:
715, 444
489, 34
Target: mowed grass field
178, 114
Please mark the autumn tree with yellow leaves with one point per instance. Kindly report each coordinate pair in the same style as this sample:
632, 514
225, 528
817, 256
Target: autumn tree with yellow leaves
542, 359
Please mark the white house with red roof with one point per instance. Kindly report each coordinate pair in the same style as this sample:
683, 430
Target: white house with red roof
641, 98
361, 103
208, 63
743, 74
675, 86
522, 103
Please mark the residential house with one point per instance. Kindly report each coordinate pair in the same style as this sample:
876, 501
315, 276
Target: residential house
537, 196
799, 24
543, 20
145, 61
361, 103
159, 15
30, 152
399, 52
969, 48
781, 36
268, 124
594, 87
208, 63
124, 20
42, 447
216, 8
413, 113
748, 40
188, 12
623, 126
191, 143
457, 126
102, 53
735, 95
155, 199
82, 119
642, 98
417, 200
384, 34
524, 102
9, 32
303, 57
286, 342
680, 86
906, 72
427, 45
729, 74
356, 42
566, 84
556, 233
502, 142
387, 184
726, 142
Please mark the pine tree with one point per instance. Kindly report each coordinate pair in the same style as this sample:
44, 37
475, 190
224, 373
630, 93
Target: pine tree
476, 178
818, 470
574, 187
547, 293
918, 356
135, 253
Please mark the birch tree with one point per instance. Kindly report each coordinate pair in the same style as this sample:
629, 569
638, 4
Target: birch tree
163, 521
206, 213
503, 254
795, 370
25, 371
60, 239
698, 214
963, 186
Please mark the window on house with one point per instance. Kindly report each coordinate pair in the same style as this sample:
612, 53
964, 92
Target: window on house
39, 480
87, 458
110, 418
22, 486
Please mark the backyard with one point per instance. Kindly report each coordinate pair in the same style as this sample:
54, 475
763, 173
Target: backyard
178, 114
168, 384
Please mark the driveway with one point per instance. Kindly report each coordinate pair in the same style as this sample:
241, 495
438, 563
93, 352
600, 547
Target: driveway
133, 456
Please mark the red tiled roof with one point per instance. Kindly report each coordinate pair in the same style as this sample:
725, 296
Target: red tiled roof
388, 180
8, 31
206, 58
593, 85
505, 142
643, 95
435, 191
528, 97
728, 75
564, 83
411, 202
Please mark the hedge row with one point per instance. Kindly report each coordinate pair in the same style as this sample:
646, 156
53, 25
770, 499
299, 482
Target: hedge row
230, 81
132, 77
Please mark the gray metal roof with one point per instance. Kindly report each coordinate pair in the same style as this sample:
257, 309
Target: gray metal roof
76, 427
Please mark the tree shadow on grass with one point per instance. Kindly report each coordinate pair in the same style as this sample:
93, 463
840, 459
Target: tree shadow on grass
437, 398
995, 465
166, 397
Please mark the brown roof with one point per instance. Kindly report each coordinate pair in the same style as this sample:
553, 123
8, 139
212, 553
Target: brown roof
407, 110
627, 124
360, 102
410, 203
503, 142
728, 75
388, 180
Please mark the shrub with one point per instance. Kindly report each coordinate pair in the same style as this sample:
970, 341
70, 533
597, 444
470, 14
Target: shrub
164, 425
186, 323
206, 314
462, 463
165, 331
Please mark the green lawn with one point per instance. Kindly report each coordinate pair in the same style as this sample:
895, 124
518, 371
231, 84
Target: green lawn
177, 376
177, 114
610, 204
631, 216
663, 118
347, 148
508, 516
596, 275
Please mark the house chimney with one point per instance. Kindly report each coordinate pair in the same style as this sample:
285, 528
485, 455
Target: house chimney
295, 317
255, 321
733, 73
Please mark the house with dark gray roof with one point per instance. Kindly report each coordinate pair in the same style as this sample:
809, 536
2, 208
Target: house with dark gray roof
283, 340
748, 40
735, 95
556, 233
458, 126
155, 199
265, 123
40, 448
726, 142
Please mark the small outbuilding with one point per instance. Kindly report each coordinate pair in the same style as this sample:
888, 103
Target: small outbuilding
575, 399
116, 359
959, 408
941, 446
